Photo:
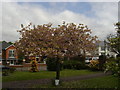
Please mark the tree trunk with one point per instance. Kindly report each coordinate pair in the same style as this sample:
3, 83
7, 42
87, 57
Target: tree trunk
58, 69
57, 81
84, 55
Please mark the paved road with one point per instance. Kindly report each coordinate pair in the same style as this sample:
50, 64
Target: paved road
29, 83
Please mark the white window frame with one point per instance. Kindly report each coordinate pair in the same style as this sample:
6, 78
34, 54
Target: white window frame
12, 53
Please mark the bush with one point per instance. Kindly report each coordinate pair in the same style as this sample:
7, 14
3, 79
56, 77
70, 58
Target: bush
7, 70
94, 65
19, 62
113, 65
52, 64
34, 66
102, 60
12, 70
78, 58
72, 64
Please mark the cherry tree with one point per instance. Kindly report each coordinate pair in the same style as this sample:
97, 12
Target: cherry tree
66, 40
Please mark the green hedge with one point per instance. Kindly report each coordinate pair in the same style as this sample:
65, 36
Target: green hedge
52, 64
72, 64
102, 59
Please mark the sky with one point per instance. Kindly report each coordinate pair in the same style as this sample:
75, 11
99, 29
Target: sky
100, 17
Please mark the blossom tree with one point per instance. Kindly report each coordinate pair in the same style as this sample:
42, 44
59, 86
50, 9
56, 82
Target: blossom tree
66, 40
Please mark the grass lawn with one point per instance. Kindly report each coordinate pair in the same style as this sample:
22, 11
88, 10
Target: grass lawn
18, 75
0, 76
101, 82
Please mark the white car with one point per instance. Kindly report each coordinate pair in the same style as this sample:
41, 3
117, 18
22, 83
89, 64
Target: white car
87, 61
95, 58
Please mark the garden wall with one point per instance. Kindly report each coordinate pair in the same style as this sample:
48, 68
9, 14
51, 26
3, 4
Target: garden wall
27, 66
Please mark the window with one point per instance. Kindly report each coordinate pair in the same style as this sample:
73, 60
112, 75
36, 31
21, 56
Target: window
12, 53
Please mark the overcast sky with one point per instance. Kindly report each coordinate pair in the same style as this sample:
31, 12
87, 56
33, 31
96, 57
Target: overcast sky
100, 17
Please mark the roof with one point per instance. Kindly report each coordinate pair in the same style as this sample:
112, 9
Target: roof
4, 45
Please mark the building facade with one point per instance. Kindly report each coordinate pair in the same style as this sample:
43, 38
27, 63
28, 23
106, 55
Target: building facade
8, 53
104, 49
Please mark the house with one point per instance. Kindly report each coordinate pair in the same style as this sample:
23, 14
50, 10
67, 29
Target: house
104, 49
8, 53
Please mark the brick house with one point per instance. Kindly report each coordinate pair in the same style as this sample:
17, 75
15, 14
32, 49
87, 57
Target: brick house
8, 53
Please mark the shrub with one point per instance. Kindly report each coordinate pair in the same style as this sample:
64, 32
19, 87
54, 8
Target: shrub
7, 70
102, 59
94, 65
79, 58
12, 69
114, 66
52, 64
34, 66
72, 64
19, 62
67, 65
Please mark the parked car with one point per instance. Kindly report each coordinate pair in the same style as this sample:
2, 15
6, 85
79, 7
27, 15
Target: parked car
88, 59
95, 58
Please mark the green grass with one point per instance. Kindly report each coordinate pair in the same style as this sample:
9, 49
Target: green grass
0, 76
101, 82
18, 75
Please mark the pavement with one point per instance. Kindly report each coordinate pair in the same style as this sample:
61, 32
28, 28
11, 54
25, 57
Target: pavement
30, 83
